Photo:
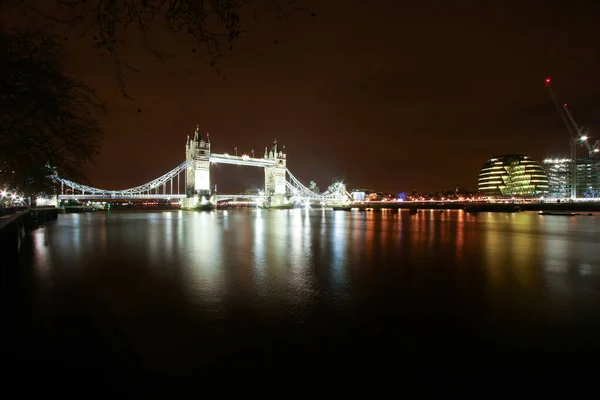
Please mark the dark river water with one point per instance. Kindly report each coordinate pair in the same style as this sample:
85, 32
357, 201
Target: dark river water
169, 293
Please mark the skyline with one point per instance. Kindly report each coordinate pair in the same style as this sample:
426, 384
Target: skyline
380, 95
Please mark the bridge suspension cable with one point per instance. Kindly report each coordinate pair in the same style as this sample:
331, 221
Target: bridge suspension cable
298, 189
332, 193
138, 190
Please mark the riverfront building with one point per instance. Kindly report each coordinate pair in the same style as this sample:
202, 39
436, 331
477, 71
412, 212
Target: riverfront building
560, 174
559, 177
588, 177
512, 175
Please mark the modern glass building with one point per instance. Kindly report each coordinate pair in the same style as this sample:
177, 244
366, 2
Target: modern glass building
560, 176
512, 175
588, 177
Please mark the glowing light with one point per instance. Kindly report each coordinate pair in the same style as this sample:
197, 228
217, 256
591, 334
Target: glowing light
584, 138
548, 80
12, 196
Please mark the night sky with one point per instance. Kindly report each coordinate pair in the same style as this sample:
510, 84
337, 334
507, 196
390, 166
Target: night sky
384, 94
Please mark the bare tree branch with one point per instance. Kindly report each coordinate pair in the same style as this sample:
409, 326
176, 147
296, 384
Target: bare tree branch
214, 24
47, 118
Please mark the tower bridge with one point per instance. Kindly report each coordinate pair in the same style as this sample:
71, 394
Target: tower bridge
190, 182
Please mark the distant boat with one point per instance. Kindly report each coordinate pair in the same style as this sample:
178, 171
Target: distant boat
564, 214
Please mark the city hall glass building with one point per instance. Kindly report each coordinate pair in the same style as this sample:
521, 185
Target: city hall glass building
512, 175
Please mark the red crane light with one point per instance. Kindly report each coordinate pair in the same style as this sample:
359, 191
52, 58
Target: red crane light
548, 80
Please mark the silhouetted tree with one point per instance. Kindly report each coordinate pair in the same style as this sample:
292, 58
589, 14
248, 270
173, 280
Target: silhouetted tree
47, 118
215, 24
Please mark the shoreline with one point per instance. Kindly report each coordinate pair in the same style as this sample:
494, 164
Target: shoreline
485, 207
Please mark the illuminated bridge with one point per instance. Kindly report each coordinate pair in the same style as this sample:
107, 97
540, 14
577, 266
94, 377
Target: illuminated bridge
190, 182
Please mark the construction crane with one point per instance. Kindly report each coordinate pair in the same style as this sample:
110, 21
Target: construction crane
576, 136
593, 150
576, 132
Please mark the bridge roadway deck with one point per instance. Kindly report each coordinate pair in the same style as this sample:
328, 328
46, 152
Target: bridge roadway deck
120, 196
240, 160
219, 197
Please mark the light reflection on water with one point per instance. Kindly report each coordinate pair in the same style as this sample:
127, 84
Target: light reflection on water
234, 265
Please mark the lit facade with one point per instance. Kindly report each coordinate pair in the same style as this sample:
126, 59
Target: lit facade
560, 177
197, 153
275, 174
588, 177
360, 194
512, 175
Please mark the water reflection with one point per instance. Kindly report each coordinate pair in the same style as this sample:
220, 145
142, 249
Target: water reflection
297, 233
42, 255
156, 237
302, 280
307, 232
369, 240
75, 235
278, 238
460, 236
102, 233
339, 249
168, 221
267, 265
358, 236
259, 240
203, 258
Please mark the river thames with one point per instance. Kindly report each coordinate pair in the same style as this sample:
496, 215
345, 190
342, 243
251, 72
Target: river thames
169, 293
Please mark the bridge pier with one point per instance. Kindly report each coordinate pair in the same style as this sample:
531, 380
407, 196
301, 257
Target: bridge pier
277, 201
199, 202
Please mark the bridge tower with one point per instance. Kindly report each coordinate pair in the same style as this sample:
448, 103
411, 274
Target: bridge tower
275, 186
197, 151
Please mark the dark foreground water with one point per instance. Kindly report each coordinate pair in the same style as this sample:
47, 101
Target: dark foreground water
166, 295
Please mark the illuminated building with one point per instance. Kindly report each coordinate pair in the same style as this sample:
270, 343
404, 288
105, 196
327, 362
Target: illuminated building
512, 175
559, 177
588, 177
360, 194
